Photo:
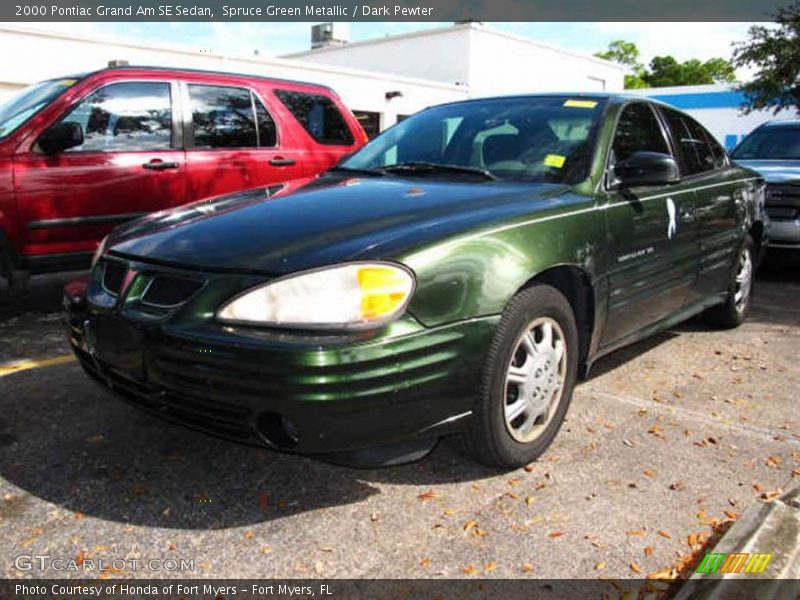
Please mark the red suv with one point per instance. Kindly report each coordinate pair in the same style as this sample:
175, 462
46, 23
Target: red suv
79, 155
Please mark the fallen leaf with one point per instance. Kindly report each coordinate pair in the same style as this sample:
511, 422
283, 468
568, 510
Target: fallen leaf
429, 495
528, 468
635, 568
648, 551
692, 540
600, 566
79, 516
758, 487
527, 568
530, 500
773, 461
629, 443
731, 514
81, 558
555, 534
676, 486
266, 549
649, 473
248, 535
469, 570
470, 525
424, 562
664, 534
635, 532
490, 566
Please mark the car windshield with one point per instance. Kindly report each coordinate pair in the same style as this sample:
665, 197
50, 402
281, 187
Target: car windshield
26, 103
539, 138
770, 143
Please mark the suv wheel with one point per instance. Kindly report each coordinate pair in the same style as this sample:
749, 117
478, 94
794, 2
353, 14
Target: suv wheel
740, 290
527, 381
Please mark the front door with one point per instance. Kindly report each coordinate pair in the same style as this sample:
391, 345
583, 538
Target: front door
651, 235
129, 164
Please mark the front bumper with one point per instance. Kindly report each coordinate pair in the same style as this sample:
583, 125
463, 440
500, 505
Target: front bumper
783, 208
286, 391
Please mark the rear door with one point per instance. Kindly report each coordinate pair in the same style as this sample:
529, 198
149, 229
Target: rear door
707, 169
327, 131
651, 234
233, 140
130, 163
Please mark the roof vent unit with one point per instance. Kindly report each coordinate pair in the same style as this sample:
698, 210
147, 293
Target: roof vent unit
325, 35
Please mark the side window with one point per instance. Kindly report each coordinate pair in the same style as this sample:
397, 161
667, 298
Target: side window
127, 116
692, 142
638, 130
319, 116
229, 117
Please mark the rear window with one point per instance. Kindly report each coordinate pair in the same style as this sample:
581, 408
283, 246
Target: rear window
319, 116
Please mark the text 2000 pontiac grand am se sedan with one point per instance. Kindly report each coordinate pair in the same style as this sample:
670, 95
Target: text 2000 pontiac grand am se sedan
453, 277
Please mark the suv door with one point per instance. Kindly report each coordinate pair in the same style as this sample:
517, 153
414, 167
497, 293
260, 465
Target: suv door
706, 167
652, 260
129, 164
233, 142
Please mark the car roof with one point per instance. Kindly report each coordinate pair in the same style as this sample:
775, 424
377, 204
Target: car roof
157, 69
782, 123
612, 97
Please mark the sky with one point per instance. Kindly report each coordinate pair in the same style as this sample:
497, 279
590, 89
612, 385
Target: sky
681, 40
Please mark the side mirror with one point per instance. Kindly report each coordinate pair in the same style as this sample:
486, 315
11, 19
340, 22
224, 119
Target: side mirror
61, 136
647, 168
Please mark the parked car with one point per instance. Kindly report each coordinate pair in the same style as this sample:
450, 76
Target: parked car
773, 150
81, 154
453, 277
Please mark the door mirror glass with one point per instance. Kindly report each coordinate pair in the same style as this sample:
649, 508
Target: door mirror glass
61, 136
647, 168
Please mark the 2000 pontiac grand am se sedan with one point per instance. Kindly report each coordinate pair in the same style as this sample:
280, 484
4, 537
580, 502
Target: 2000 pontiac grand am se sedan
454, 276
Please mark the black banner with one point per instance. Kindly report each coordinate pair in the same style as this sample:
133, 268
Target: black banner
394, 589
388, 10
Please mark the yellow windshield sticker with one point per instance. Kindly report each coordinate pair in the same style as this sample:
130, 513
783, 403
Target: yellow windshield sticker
580, 103
555, 160
67, 82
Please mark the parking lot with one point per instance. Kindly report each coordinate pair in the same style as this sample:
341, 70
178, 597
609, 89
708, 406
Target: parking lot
667, 442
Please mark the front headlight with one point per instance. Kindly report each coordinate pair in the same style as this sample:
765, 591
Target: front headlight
350, 295
101, 248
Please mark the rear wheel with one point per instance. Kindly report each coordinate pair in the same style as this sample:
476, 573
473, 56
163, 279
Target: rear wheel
740, 290
527, 381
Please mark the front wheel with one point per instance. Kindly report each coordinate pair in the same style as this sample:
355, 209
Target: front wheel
740, 290
527, 382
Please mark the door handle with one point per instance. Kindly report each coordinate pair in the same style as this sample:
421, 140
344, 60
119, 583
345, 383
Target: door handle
282, 162
159, 165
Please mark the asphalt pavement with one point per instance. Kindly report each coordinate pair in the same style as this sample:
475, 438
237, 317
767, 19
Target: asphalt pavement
665, 446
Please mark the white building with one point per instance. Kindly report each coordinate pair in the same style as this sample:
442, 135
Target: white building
380, 80
718, 107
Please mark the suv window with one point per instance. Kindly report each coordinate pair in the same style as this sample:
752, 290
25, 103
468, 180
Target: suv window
638, 130
692, 142
319, 116
229, 117
127, 116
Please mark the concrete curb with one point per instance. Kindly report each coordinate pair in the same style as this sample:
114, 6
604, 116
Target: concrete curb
772, 528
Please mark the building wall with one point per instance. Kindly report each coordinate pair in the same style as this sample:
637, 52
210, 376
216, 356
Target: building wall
437, 55
718, 108
487, 61
502, 63
50, 55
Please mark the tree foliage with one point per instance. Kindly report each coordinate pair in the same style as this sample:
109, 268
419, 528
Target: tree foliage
774, 53
666, 71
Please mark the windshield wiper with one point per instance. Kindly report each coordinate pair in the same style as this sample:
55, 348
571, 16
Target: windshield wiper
419, 167
370, 172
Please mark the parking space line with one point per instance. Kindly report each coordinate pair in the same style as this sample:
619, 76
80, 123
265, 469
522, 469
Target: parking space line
687, 413
25, 365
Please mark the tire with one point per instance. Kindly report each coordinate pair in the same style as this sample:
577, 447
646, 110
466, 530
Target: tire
496, 437
738, 299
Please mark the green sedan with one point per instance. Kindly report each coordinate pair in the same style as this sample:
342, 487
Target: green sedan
453, 278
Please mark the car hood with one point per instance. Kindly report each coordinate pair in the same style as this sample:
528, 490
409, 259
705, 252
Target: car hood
282, 229
774, 171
